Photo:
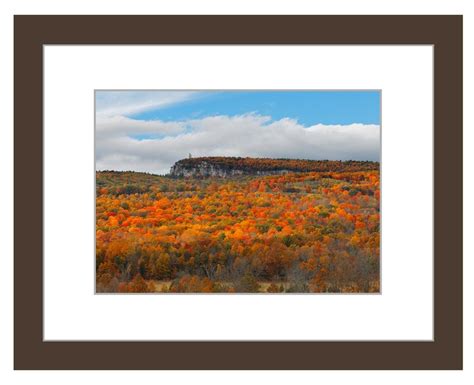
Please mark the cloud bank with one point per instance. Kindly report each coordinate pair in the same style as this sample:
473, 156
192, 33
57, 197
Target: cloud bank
120, 144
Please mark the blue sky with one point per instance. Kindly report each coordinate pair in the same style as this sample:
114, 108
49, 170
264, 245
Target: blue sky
307, 107
150, 130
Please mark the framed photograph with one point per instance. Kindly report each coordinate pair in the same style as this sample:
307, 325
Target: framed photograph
238, 192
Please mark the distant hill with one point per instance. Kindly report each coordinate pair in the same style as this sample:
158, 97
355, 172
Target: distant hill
233, 166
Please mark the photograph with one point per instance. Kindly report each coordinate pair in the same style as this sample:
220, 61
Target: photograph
237, 191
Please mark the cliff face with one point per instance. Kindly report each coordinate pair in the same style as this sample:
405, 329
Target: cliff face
224, 167
207, 169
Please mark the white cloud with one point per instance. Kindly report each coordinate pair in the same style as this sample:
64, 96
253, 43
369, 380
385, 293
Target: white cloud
122, 126
110, 103
245, 135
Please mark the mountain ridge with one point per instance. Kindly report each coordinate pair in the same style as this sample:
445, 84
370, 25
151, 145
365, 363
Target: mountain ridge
220, 166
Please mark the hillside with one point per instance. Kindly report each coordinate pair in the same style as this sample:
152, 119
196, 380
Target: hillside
232, 166
293, 233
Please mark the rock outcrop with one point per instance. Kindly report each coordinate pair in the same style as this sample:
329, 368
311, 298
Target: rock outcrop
206, 169
224, 167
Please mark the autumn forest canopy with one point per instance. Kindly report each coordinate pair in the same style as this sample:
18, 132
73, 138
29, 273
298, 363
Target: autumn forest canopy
270, 225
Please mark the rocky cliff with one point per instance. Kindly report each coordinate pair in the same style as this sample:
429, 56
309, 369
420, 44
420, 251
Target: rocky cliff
224, 167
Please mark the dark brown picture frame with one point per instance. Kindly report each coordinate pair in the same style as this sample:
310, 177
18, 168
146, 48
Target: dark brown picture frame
32, 32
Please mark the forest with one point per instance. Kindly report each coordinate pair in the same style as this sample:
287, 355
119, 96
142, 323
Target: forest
302, 232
